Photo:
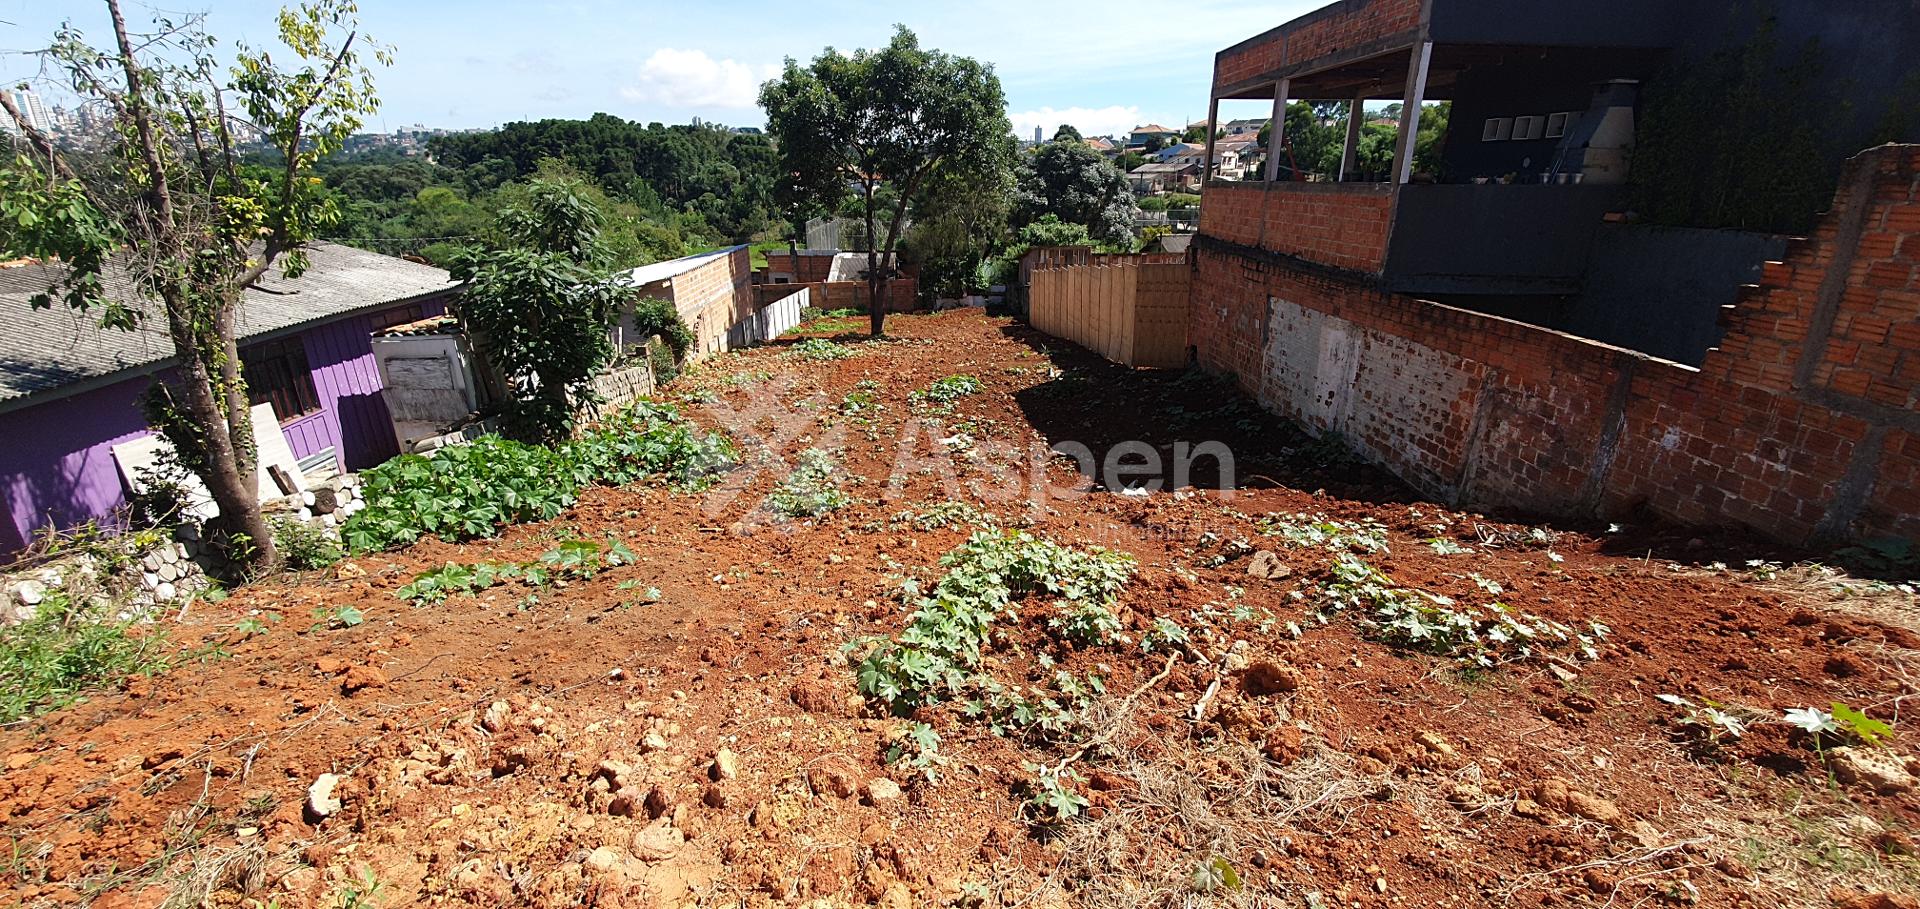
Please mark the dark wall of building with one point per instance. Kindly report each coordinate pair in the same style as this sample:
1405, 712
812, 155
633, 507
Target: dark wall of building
1659, 290
1533, 82
1867, 52
1579, 23
1522, 238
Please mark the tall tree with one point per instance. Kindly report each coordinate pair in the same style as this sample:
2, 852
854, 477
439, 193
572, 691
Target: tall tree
893, 116
541, 305
172, 209
1078, 185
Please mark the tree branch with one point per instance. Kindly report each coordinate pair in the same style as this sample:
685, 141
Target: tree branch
56, 163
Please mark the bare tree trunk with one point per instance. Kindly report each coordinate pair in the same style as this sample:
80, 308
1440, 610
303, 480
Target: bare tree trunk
228, 461
876, 315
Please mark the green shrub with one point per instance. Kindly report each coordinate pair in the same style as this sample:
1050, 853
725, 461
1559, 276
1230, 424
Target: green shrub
659, 317
810, 491
65, 650
468, 491
304, 546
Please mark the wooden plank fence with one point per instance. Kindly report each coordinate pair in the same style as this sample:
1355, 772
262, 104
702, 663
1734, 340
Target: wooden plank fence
1131, 309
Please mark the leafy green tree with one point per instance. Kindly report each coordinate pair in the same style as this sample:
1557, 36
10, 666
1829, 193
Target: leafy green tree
897, 116
173, 206
1077, 185
962, 223
542, 306
1066, 133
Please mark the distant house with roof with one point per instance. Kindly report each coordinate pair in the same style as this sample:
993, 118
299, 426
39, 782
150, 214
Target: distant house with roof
1247, 127
1141, 135
1102, 145
1165, 176
1179, 151
1235, 156
69, 390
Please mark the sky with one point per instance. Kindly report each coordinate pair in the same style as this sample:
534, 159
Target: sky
1102, 66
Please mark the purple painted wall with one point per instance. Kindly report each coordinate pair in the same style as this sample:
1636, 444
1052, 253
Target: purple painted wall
56, 463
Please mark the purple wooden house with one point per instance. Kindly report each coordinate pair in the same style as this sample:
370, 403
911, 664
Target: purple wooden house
69, 390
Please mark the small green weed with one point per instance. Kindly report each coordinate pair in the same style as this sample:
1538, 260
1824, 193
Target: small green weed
820, 350
1417, 620
568, 560
1302, 531
941, 515
811, 490
941, 393
304, 546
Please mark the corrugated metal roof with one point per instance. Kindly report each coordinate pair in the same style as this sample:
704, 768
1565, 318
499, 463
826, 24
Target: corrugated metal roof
674, 268
47, 349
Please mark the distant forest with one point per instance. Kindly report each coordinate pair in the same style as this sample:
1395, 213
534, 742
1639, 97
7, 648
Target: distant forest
665, 190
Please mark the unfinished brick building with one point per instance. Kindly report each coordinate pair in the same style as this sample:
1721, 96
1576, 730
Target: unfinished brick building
1376, 306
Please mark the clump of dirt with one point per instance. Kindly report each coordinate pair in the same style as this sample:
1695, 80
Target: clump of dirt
689, 728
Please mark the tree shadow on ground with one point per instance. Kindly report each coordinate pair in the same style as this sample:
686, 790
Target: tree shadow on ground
1182, 416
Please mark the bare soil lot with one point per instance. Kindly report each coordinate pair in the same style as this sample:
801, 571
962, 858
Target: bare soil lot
689, 730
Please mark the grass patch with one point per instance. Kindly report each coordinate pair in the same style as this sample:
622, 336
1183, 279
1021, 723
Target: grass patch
67, 650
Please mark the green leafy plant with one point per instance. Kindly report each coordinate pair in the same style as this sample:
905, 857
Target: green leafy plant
941, 515
820, 349
941, 393
570, 559
1051, 795
67, 649
1302, 530
304, 546
938, 654
1215, 874
468, 491
918, 746
1484, 635
1445, 546
337, 617
810, 490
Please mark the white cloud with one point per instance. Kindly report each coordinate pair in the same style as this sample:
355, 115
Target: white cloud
1090, 121
690, 78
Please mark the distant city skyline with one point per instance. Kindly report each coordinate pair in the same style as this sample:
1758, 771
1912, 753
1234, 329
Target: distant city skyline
1097, 66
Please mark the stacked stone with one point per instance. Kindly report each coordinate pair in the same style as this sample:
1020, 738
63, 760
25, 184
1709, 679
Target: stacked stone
175, 569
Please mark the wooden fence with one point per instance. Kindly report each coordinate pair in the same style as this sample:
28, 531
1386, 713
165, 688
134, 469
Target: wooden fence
1131, 309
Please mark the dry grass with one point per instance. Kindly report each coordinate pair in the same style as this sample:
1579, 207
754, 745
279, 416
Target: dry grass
1179, 808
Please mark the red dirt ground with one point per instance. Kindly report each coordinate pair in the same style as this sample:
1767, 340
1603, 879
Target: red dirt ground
1381, 778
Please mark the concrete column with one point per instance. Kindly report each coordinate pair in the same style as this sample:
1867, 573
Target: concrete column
1350, 156
1213, 118
1276, 129
1410, 114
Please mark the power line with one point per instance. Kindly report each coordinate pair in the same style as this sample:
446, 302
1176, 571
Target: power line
396, 239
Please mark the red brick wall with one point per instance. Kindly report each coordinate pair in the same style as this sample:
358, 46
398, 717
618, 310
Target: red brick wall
811, 269
1339, 27
1344, 225
1802, 425
902, 294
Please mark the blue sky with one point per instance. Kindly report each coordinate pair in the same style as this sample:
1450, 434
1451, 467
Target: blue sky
1103, 66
